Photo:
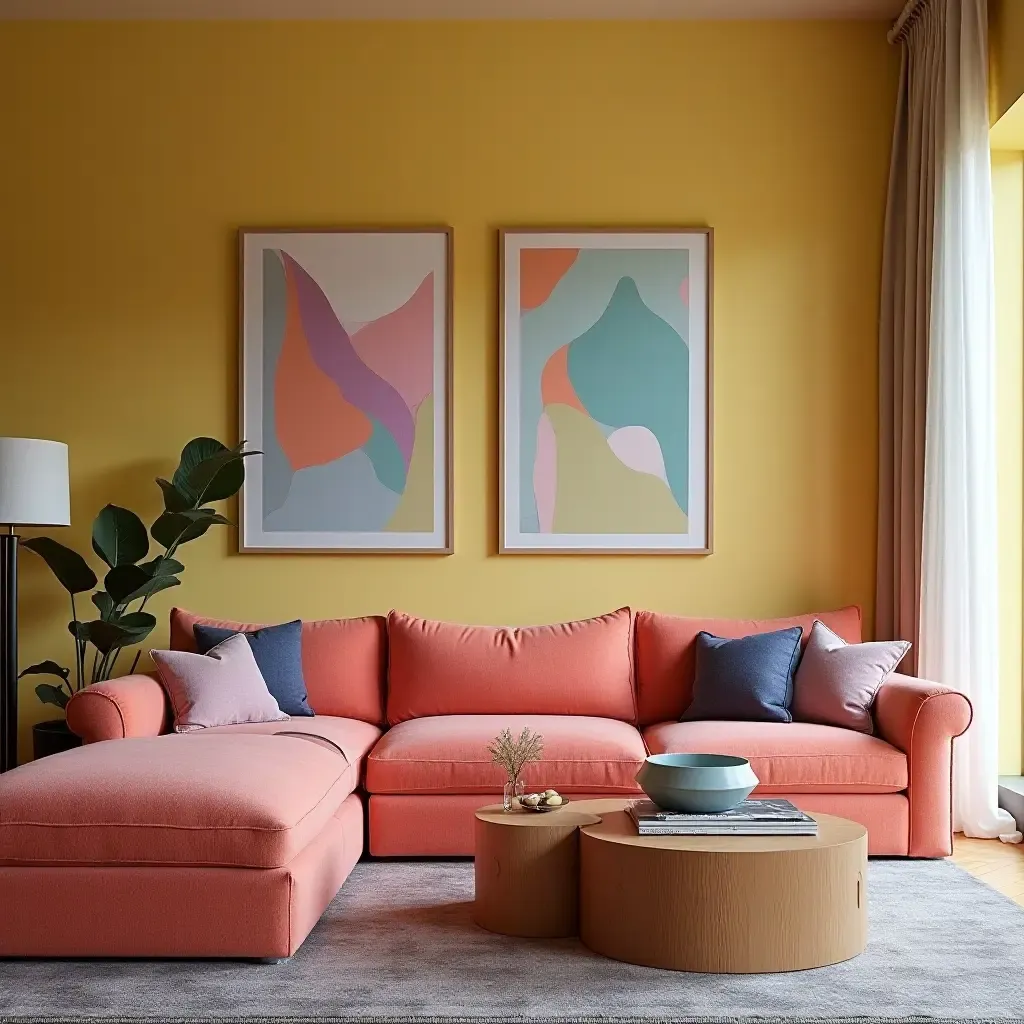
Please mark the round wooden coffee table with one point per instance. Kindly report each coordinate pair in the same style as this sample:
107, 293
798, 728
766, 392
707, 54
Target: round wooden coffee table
735, 905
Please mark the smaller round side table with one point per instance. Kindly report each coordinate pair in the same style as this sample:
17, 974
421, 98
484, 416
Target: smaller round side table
527, 870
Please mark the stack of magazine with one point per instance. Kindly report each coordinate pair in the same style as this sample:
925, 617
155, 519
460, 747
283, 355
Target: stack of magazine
766, 817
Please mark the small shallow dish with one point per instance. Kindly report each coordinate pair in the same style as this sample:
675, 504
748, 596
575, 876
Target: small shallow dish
696, 783
543, 808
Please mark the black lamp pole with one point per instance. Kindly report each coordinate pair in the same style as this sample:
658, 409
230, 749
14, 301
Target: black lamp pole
8, 650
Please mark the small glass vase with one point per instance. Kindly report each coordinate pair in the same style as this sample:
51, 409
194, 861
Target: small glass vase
514, 789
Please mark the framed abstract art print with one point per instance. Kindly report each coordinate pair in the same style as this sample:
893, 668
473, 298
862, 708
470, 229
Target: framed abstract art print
606, 390
346, 389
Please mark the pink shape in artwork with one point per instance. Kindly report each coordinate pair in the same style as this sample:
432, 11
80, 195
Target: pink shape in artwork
545, 475
684, 291
400, 345
639, 449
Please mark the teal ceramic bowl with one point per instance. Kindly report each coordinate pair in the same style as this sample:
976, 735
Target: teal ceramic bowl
696, 783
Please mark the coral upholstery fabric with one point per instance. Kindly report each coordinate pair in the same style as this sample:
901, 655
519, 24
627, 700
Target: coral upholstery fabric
884, 815
792, 757
922, 719
448, 754
178, 910
431, 825
342, 661
666, 648
237, 801
442, 826
571, 668
135, 705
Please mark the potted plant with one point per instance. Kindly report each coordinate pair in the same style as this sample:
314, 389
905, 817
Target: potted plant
207, 472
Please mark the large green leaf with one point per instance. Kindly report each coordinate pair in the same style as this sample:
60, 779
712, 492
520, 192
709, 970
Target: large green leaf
104, 603
70, 568
174, 500
79, 630
220, 476
138, 622
162, 566
123, 580
196, 451
153, 585
129, 629
179, 527
46, 668
209, 471
50, 694
119, 536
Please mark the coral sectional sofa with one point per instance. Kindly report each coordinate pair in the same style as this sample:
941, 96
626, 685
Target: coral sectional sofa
232, 841
413, 703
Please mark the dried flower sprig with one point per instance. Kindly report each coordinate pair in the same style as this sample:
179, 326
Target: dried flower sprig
513, 754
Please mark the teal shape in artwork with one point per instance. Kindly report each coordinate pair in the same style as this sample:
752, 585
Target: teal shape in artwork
386, 457
633, 369
343, 495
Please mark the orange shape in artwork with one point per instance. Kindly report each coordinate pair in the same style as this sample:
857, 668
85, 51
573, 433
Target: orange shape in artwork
539, 271
555, 386
315, 425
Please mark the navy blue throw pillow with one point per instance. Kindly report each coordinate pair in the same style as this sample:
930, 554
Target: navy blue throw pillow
749, 679
278, 654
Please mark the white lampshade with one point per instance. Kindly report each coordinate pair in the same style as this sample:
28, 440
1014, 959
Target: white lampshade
34, 482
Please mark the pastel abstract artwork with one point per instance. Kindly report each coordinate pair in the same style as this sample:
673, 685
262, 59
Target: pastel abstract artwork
605, 386
345, 389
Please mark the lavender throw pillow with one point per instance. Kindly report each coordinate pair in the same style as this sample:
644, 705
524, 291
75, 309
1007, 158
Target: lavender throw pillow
222, 687
836, 682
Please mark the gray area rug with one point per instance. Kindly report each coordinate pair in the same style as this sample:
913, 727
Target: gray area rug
399, 944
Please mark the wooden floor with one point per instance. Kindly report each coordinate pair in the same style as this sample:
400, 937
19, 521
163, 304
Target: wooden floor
1000, 865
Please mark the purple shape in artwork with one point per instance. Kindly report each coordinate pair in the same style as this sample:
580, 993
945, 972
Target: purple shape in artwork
332, 351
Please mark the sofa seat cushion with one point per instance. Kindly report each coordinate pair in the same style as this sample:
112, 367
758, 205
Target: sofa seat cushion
448, 754
792, 757
354, 737
225, 801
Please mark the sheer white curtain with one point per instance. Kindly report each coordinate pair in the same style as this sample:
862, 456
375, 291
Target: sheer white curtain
959, 611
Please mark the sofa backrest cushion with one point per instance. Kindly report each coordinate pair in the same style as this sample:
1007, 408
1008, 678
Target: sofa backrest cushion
666, 648
342, 661
571, 668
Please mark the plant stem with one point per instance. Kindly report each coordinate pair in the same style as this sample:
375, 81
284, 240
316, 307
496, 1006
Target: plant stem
105, 667
79, 649
169, 553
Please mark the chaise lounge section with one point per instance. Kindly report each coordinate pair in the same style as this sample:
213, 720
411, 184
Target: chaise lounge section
176, 846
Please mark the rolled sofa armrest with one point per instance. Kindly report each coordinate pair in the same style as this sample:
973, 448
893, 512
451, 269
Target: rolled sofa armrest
922, 719
133, 705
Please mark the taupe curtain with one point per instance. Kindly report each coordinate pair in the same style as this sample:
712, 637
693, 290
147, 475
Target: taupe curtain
907, 274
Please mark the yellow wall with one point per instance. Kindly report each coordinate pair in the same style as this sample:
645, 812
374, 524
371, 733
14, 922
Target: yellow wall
133, 152
1008, 199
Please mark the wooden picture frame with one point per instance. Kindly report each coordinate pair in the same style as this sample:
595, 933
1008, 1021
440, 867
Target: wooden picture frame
345, 385
623, 315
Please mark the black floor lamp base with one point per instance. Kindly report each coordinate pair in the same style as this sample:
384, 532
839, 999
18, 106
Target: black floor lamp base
8, 651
